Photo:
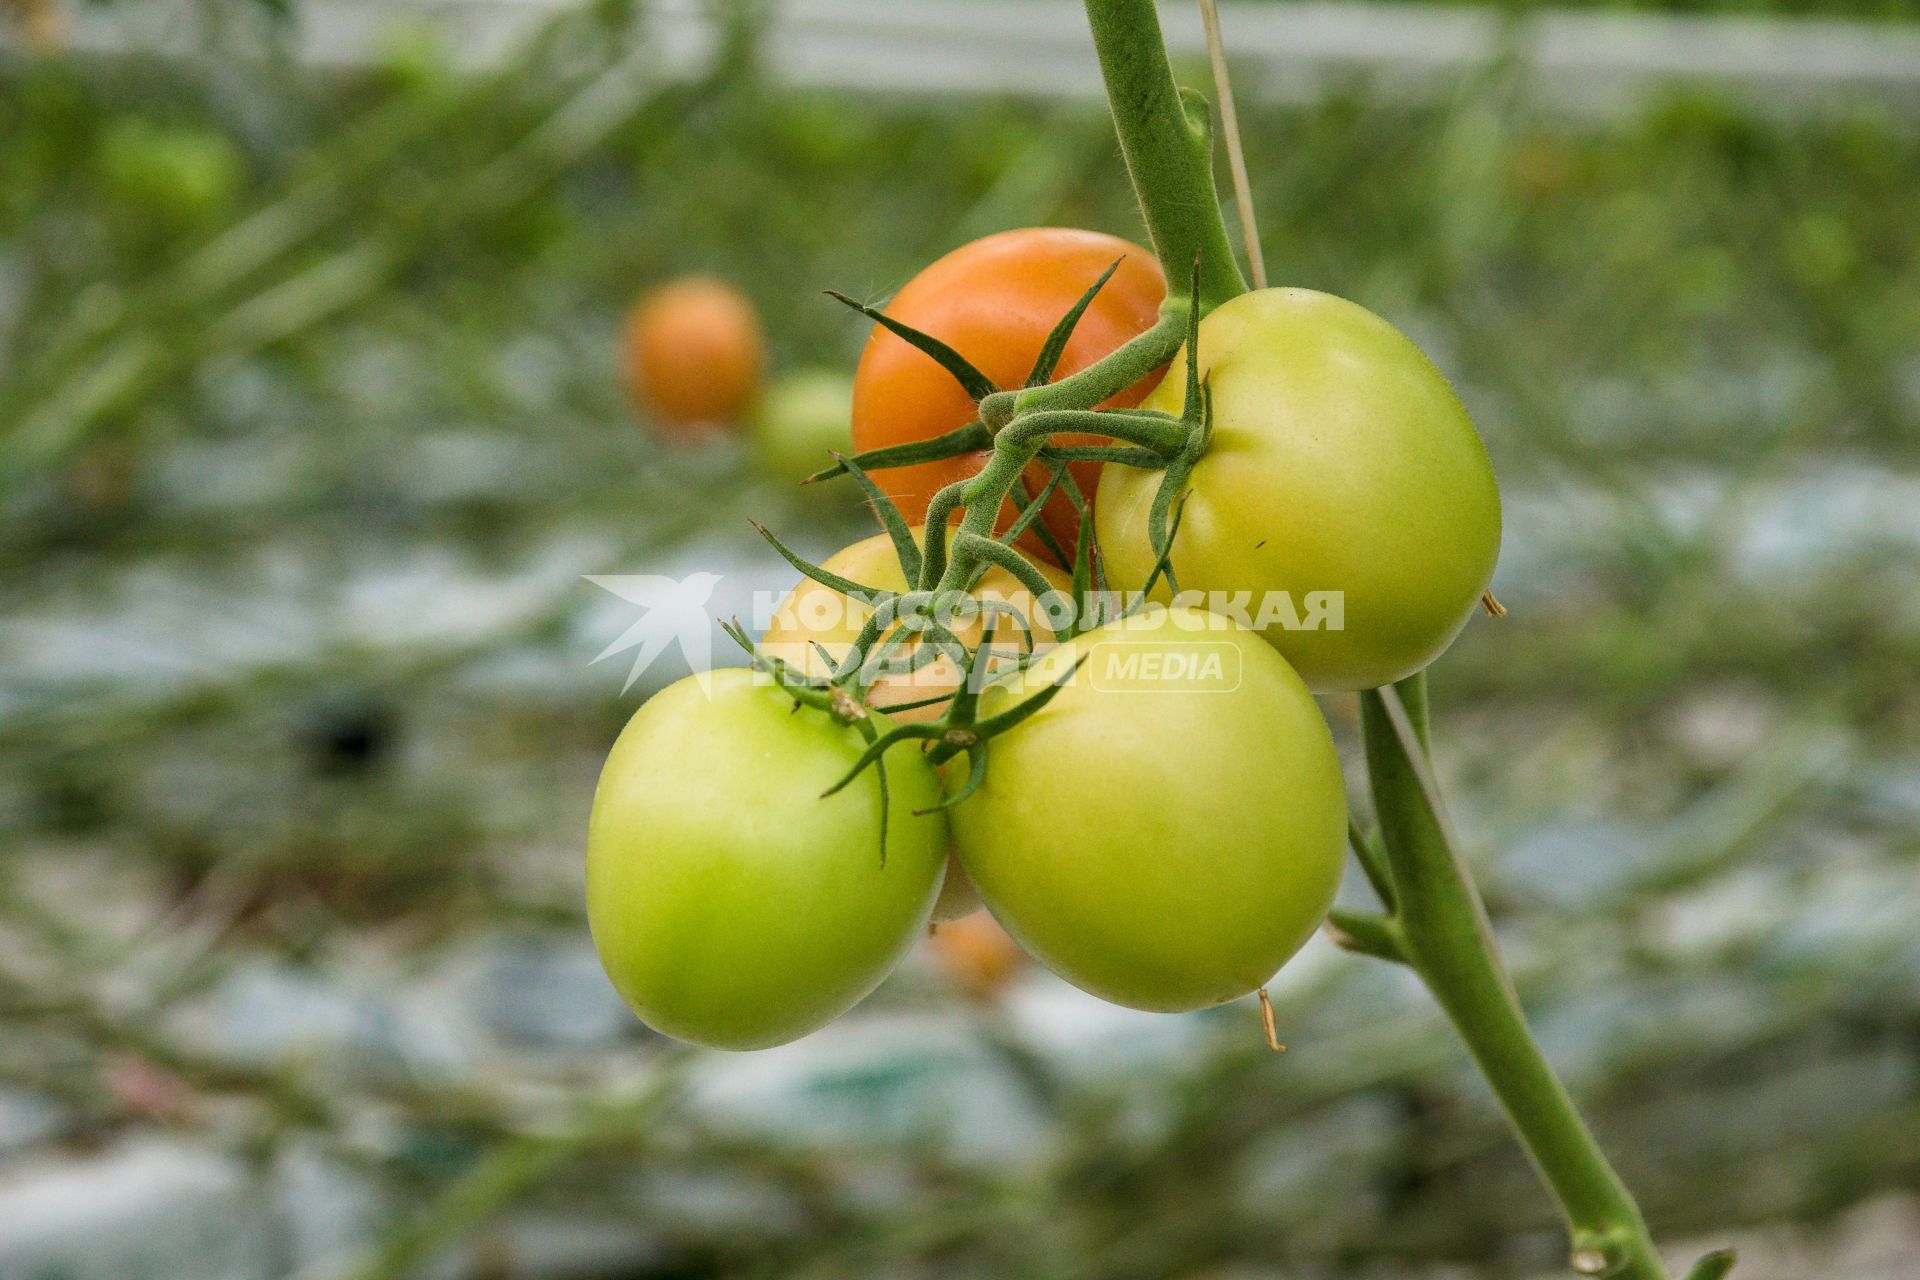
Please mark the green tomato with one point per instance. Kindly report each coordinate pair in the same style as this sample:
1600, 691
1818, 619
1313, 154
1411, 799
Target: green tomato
801, 417
731, 904
1171, 827
1343, 472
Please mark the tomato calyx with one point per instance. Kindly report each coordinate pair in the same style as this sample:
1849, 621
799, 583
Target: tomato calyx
1163, 519
960, 727
908, 629
1030, 437
997, 407
832, 696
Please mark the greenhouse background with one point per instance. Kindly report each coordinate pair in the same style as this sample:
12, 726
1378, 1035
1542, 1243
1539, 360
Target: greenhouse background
311, 430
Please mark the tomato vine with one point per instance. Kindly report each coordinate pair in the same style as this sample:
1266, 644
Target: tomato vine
1431, 918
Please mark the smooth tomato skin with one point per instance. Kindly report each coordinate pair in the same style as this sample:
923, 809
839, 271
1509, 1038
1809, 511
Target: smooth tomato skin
1165, 845
1341, 461
814, 613
693, 355
994, 301
731, 905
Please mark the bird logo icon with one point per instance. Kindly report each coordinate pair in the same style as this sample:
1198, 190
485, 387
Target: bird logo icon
676, 613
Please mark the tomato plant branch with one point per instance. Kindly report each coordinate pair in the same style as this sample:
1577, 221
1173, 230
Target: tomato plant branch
1108, 377
1165, 140
1432, 918
1440, 927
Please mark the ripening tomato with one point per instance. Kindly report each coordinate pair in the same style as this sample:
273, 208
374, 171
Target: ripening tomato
1171, 827
976, 955
815, 614
1342, 465
732, 904
994, 301
693, 354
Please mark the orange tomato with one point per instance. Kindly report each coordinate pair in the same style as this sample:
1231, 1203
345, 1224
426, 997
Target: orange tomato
976, 955
693, 354
994, 301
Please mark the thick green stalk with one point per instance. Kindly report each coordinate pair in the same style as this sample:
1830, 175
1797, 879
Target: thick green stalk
1107, 377
1442, 931
981, 497
1438, 924
1167, 148
1169, 158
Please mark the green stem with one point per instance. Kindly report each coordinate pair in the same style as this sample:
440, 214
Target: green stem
1167, 148
982, 496
1119, 369
1443, 929
1154, 431
1436, 921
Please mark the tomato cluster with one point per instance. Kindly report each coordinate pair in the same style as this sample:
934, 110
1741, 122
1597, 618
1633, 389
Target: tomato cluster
1142, 791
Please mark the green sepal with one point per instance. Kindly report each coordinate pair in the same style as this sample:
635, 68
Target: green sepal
1082, 582
868, 732
1170, 499
976, 384
1190, 403
1068, 484
887, 512
805, 690
970, 438
880, 656
994, 726
1031, 507
1062, 332
1097, 574
966, 699
872, 597
918, 703
878, 746
1162, 530
976, 774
